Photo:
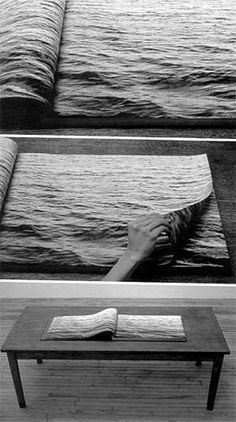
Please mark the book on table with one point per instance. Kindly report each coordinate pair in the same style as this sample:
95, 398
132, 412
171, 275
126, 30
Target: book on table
108, 324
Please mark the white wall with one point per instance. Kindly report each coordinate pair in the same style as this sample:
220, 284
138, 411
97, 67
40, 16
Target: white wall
93, 289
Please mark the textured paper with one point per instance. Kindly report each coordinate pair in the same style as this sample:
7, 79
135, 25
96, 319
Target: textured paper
71, 327
74, 211
150, 327
108, 324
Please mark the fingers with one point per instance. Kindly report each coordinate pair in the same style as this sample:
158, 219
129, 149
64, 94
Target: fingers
152, 221
159, 223
143, 234
156, 232
146, 219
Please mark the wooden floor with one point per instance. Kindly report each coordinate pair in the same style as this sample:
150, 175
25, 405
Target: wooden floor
119, 391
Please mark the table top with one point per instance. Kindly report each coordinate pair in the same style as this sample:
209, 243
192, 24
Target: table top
202, 331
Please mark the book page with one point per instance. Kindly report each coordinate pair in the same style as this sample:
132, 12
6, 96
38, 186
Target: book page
76, 211
150, 327
128, 64
29, 51
8, 153
78, 327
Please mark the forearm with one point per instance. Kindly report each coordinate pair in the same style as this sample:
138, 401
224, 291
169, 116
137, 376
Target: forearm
142, 236
124, 267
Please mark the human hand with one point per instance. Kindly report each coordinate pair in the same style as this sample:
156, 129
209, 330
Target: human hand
143, 234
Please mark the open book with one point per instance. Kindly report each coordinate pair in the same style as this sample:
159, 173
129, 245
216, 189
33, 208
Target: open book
109, 325
74, 211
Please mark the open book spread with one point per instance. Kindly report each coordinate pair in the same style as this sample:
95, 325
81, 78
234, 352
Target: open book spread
87, 230
109, 325
90, 59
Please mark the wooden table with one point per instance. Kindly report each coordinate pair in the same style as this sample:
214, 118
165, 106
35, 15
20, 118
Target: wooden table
205, 342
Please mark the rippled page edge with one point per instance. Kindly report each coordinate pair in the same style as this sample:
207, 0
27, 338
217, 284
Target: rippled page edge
8, 154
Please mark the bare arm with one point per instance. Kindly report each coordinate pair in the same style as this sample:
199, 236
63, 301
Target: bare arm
142, 234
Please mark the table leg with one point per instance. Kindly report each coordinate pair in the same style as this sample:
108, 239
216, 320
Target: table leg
16, 378
215, 375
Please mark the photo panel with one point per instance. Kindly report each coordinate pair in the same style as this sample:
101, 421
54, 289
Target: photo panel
69, 213
73, 63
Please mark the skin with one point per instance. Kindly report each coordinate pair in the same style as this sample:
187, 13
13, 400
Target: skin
142, 237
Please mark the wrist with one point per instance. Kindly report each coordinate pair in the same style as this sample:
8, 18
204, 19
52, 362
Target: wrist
133, 257
124, 267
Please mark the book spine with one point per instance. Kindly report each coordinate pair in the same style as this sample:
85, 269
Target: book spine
8, 154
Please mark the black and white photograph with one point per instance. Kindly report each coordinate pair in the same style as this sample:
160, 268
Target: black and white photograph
77, 212
114, 62
117, 210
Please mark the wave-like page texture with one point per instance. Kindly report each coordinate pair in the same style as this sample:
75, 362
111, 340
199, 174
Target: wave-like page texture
73, 210
150, 327
30, 40
8, 153
100, 325
116, 59
181, 224
119, 58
